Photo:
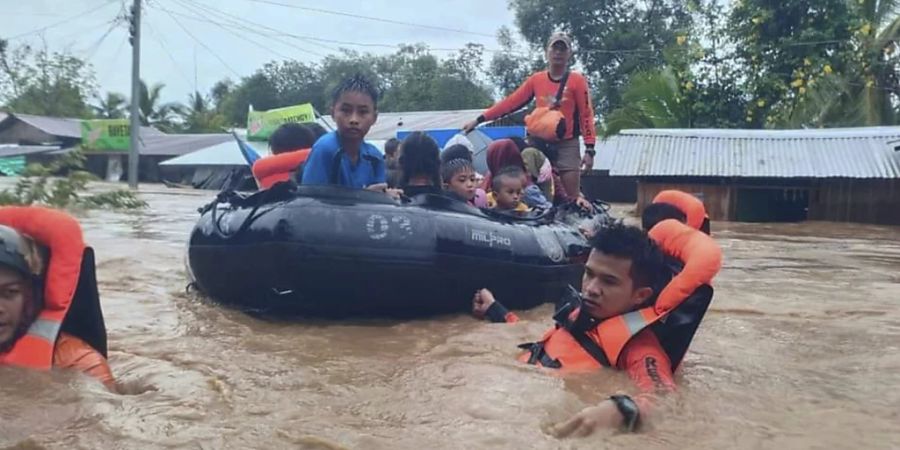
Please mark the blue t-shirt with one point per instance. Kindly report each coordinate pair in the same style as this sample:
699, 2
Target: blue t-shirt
368, 170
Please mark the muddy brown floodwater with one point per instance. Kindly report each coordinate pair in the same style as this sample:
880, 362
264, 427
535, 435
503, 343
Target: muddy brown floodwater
799, 350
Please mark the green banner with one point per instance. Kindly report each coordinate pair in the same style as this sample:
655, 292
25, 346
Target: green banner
261, 124
105, 135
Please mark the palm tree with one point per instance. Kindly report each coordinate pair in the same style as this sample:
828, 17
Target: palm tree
156, 114
199, 117
111, 107
651, 100
868, 92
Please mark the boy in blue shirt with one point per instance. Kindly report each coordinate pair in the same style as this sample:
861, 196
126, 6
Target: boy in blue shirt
343, 157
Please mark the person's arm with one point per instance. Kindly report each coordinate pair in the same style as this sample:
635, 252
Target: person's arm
485, 305
588, 131
318, 165
72, 353
646, 363
585, 113
514, 102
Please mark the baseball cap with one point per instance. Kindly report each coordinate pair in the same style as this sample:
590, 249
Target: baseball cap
559, 36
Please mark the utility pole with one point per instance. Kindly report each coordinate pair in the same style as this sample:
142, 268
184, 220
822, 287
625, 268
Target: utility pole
135, 39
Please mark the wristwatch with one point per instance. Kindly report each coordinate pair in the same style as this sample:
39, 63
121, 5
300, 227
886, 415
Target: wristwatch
629, 410
590, 151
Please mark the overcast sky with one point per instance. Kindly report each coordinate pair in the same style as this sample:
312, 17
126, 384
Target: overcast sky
169, 51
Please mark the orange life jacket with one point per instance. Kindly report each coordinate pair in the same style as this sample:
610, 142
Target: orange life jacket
276, 168
691, 206
69, 276
579, 343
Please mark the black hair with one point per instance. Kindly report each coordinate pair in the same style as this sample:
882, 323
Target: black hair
648, 267
390, 147
456, 151
420, 157
506, 172
355, 83
520, 142
291, 136
655, 213
318, 130
450, 168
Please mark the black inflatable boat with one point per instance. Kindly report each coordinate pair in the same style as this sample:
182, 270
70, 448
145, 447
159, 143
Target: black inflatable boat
335, 252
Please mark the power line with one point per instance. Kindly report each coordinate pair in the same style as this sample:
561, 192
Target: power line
376, 19
188, 32
240, 22
160, 40
237, 24
92, 50
62, 22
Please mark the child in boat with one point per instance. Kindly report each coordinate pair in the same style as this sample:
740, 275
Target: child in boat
392, 160
459, 179
343, 157
420, 165
290, 145
460, 151
506, 190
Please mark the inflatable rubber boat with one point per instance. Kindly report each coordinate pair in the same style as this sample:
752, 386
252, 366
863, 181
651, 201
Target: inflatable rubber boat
334, 252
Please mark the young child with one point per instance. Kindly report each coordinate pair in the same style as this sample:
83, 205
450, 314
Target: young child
461, 151
392, 160
506, 190
459, 179
420, 165
290, 145
343, 157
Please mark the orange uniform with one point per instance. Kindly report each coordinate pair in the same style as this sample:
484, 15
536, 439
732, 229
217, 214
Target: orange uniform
575, 106
278, 168
631, 341
69, 278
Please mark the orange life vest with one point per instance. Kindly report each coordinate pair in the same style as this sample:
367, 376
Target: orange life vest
589, 345
691, 206
65, 276
276, 168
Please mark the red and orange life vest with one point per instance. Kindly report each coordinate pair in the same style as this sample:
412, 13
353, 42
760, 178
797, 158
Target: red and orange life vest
276, 168
62, 235
602, 345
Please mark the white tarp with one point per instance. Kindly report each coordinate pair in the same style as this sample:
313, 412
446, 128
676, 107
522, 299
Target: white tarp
224, 154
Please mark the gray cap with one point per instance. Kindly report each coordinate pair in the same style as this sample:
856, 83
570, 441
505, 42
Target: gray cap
559, 36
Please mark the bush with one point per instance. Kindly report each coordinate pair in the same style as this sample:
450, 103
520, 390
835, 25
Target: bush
39, 184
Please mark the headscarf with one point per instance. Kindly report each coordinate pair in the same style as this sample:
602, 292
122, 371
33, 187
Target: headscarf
502, 153
537, 165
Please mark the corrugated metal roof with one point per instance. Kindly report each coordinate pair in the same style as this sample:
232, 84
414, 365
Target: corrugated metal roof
64, 126
389, 123
830, 153
180, 144
9, 150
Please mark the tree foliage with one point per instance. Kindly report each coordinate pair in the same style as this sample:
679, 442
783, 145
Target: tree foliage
613, 38
44, 83
62, 184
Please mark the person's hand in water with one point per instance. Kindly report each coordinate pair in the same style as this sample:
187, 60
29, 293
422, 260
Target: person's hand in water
606, 415
469, 126
482, 300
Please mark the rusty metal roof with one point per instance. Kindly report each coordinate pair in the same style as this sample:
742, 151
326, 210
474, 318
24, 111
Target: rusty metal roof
825, 153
